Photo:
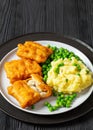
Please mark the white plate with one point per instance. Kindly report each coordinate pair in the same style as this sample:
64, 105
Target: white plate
39, 107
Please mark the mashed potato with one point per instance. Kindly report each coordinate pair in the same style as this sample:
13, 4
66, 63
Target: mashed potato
69, 76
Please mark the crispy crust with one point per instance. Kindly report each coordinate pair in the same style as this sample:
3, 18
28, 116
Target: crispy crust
23, 93
21, 69
34, 51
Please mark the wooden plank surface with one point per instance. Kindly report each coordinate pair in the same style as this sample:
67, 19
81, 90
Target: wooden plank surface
72, 18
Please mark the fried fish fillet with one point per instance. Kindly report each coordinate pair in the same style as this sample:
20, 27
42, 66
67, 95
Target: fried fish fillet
34, 51
21, 69
25, 95
36, 83
27, 92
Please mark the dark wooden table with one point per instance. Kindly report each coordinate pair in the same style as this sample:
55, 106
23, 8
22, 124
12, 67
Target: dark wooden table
72, 18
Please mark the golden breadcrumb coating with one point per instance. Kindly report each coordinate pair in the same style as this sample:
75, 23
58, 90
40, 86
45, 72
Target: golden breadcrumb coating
34, 51
28, 92
23, 93
21, 69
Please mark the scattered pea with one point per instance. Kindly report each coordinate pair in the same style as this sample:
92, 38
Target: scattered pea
87, 71
32, 107
78, 74
66, 80
77, 66
50, 109
62, 100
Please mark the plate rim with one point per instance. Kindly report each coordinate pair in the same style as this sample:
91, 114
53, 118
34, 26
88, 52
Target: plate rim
54, 43
47, 34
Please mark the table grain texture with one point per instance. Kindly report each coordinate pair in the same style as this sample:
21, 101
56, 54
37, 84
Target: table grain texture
73, 18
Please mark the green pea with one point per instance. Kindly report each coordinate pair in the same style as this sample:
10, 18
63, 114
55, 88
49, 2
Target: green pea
60, 104
55, 108
32, 106
56, 70
66, 80
44, 72
57, 105
62, 96
50, 109
54, 93
64, 103
77, 66
65, 99
48, 105
70, 99
48, 46
57, 101
74, 95
78, 74
68, 105
77, 57
87, 71
58, 98
60, 93
44, 66
68, 102
44, 78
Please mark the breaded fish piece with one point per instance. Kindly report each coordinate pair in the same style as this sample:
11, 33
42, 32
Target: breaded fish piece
21, 69
36, 83
34, 51
28, 92
25, 95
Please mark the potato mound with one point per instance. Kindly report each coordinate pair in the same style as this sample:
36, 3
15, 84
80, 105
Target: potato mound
69, 75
